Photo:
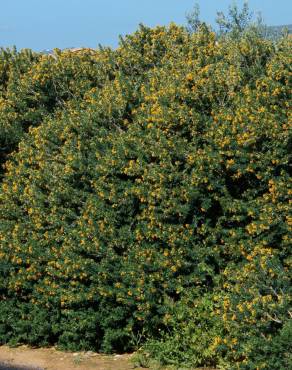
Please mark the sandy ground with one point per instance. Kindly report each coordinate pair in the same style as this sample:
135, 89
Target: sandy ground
25, 358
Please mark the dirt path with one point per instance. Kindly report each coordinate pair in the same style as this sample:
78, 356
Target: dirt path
25, 358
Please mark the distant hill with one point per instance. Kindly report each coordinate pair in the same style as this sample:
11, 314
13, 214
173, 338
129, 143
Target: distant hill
281, 28
47, 51
73, 49
274, 32
270, 32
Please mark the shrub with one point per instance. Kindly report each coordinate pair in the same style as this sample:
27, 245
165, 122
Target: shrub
156, 204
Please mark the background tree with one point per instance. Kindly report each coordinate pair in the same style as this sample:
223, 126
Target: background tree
193, 19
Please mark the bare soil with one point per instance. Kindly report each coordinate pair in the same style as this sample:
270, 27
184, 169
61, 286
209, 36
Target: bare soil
25, 358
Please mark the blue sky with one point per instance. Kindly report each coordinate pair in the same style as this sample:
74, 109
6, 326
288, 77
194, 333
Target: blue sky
45, 24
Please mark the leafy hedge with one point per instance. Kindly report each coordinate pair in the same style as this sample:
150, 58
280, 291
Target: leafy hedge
148, 201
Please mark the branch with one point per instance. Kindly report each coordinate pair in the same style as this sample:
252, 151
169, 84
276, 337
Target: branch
275, 319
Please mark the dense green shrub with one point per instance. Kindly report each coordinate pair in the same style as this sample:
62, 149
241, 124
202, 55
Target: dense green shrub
153, 206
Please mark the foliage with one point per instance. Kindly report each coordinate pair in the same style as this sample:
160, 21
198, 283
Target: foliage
148, 200
35, 86
193, 19
190, 326
13, 65
236, 22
